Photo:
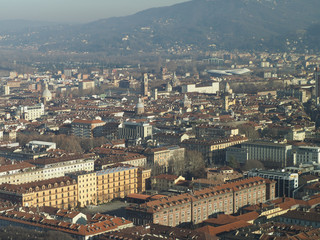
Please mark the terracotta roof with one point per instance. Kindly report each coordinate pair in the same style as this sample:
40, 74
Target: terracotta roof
166, 177
138, 196
24, 188
98, 224
225, 228
87, 121
21, 165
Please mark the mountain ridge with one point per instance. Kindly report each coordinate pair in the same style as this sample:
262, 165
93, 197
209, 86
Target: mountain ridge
281, 25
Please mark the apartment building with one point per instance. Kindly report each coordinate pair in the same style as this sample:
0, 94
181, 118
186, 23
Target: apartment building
57, 167
119, 181
46, 168
198, 206
87, 128
57, 192
87, 187
164, 138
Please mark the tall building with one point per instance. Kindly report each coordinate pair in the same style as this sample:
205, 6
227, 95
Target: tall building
175, 81
144, 85
6, 90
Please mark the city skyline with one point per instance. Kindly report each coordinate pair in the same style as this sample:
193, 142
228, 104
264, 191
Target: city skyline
81, 11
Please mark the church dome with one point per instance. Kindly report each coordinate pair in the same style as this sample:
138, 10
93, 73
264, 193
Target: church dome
46, 94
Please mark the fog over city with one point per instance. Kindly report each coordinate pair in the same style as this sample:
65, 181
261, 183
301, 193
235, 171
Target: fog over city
75, 11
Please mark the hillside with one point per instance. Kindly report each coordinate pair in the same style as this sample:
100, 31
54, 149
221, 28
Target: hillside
278, 25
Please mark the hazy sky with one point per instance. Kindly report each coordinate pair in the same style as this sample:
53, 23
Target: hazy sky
75, 10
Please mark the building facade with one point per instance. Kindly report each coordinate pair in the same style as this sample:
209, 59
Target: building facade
198, 206
87, 128
30, 112
135, 131
57, 192
211, 150
286, 182
269, 153
87, 188
120, 181
306, 154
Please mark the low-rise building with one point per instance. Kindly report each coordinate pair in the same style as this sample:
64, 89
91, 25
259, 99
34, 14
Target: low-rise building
164, 182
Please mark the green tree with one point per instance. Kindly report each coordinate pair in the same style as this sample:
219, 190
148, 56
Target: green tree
233, 163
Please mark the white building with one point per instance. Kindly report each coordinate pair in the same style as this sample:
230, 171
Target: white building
211, 88
41, 145
30, 112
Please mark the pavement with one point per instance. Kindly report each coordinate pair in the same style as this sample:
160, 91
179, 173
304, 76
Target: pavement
115, 208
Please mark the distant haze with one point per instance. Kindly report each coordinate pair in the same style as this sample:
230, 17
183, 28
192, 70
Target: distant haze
75, 11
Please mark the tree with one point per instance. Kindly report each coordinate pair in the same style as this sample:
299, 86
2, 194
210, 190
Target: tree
194, 164
252, 164
233, 163
249, 131
176, 165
